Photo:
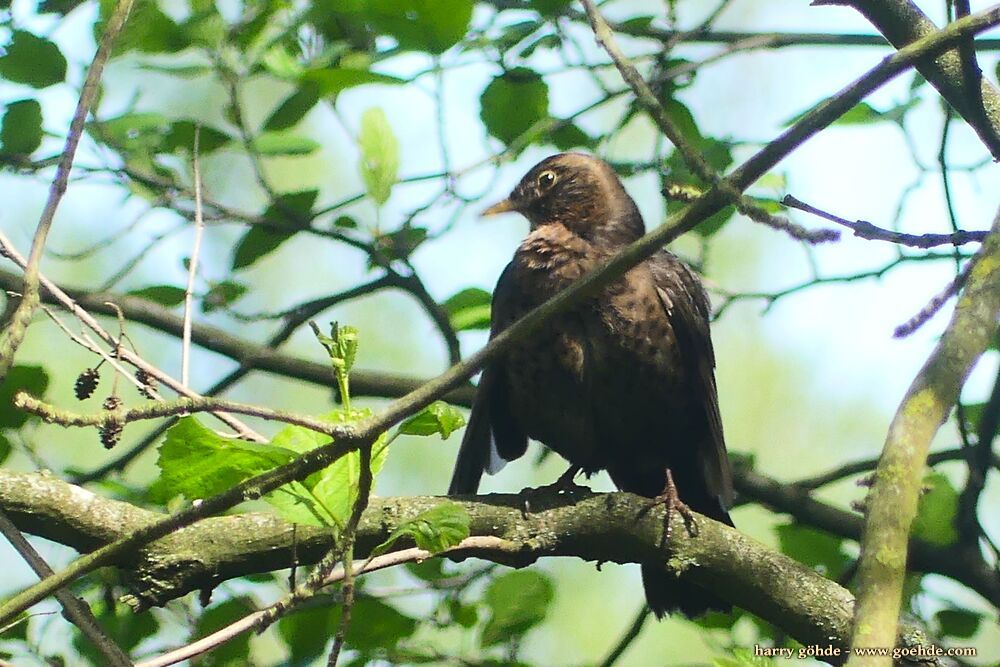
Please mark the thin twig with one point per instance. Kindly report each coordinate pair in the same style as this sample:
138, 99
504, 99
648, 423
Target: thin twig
866, 230
8, 250
980, 460
349, 537
178, 406
199, 230
17, 327
935, 304
692, 158
868, 465
631, 634
249, 622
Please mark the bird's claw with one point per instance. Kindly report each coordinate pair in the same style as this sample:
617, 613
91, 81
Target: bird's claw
673, 503
564, 484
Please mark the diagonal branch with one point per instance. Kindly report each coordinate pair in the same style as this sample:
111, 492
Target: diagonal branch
892, 502
75, 609
973, 97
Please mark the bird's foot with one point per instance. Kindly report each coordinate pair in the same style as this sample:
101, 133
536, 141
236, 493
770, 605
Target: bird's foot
673, 503
565, 484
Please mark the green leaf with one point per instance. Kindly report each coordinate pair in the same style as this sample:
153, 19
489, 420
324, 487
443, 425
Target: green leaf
719, 156
58, 6
5, 448
197, 462
435, 530
330, 81
936, 511
165, 295
959, 623
336, 486
551, 7
341, 346
21, 133
382, 626
570, 136
401, 243
148, 30
469, 309
33, 380
293, 108
281, 143
292, 209
133, 131
234, 651
430, 569
862, 114
513, 102
517, 601
420, 25
438, 417
179, 137
466, 615
325, 497
743, 657
814, 548
257, 242
379, 163
123, 626
222, 295
307, 631
32, 60
375, 626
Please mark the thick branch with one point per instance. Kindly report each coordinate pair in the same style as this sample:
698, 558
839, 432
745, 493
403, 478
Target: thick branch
596, 527
892, 503
977, 101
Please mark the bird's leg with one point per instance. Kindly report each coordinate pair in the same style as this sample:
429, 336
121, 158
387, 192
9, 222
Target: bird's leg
673, 503
564, 483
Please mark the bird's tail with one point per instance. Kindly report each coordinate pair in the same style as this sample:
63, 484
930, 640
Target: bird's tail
666, 593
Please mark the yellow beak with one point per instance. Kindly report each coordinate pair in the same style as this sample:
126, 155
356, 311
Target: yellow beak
502, 206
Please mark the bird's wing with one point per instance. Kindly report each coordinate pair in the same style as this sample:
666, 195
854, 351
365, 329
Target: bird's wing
688, 310
492, 437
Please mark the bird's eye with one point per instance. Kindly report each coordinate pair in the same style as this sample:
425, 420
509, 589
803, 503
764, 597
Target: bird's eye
546, 180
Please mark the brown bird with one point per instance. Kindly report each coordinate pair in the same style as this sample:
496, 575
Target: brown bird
623, 382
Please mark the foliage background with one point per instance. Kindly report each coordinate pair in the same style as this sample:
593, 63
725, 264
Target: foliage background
804, 387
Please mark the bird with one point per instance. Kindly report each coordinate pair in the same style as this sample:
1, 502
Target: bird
622, 382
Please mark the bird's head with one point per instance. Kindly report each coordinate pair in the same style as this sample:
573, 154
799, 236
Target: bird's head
578, 191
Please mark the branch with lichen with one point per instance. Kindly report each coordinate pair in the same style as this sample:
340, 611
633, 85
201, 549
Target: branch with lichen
598, 527
974, 98
892, 502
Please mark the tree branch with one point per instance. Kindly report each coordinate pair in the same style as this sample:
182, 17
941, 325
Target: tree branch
976, 100
14, 333
75, 610
247, 353
892, 502
597, 527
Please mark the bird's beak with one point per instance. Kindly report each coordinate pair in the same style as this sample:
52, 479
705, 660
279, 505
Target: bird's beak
502, 206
